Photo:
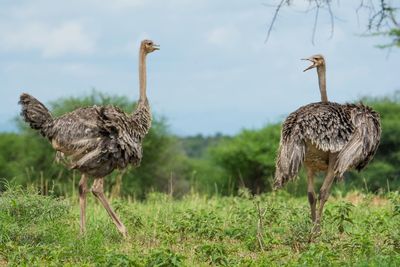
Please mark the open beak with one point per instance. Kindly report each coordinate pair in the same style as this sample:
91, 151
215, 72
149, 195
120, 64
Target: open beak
156, 47
313, 65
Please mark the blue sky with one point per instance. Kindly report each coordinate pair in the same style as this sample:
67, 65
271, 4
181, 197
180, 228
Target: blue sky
214, 73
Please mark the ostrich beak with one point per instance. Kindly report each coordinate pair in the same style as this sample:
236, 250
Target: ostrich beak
156, 47
313, 65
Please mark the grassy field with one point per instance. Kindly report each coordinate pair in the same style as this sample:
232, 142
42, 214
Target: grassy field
269, 230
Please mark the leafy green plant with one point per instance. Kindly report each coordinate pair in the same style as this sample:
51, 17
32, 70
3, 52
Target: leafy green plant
299, 234
318, 254
164, 258
214, 254
112, 259
132, 220
342, 215
394, 198
200, 222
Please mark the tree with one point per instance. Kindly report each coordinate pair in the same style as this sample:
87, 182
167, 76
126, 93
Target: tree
381, 17
249, 157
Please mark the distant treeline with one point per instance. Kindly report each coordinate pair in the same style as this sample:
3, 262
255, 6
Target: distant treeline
213, 164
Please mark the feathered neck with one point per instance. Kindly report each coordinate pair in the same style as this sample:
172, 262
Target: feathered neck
142, 75
141, 117
321, 70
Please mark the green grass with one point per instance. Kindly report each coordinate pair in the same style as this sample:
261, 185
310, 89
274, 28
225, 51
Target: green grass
197, 230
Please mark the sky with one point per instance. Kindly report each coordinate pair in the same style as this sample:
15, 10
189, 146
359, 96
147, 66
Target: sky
214, 72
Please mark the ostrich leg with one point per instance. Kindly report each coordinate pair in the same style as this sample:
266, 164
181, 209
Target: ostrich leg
82, 202
325, 190
311, 192
98, 192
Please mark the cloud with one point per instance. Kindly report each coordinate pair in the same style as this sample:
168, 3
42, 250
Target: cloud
222, 35
52, 41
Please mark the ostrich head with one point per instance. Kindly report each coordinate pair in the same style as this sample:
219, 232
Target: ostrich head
316, 60
148, 46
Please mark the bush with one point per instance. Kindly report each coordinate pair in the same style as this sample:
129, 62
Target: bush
249, 158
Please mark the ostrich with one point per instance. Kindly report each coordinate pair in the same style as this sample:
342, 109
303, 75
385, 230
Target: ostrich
328, 137
96, 140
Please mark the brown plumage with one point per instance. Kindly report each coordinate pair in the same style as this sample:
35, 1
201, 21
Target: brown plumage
95, 140
326, 136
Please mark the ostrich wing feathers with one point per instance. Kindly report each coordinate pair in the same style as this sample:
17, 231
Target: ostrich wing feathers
351, 130
97, 140
94, 140
325, 125
364, 141
290, 158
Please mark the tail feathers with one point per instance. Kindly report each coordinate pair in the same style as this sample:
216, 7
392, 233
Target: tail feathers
34, 112
290, 158
361, 148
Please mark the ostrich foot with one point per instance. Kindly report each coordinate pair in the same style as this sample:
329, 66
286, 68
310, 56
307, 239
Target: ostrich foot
315, 232
316, 229
121, 228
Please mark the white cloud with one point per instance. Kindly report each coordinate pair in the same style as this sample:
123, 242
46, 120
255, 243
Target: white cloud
222, 35
52, 41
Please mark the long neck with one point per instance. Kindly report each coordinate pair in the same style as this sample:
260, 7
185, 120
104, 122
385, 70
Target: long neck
142, 75
322, 82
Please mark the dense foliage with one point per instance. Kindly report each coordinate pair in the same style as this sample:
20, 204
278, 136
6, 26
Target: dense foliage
249, 157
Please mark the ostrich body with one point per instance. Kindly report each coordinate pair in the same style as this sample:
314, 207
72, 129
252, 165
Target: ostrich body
96, 140
328, 137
